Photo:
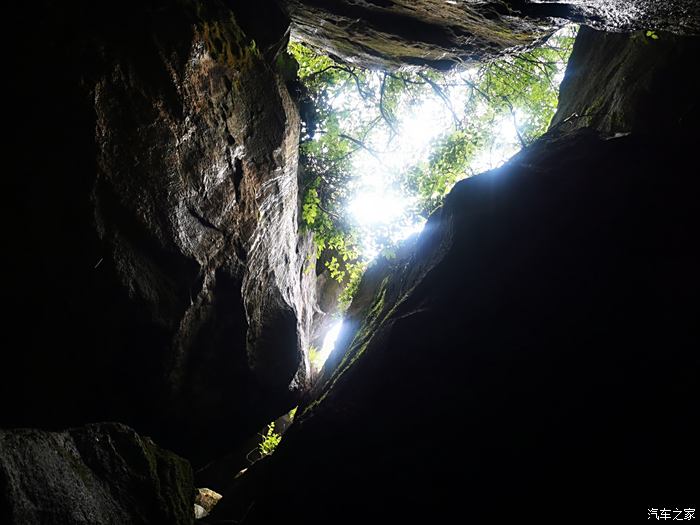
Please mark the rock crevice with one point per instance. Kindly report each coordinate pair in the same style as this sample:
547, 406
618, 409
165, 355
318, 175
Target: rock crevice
516, 351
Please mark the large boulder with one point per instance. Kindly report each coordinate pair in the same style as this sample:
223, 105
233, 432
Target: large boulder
103, 473
440, 34
534, 355
648, 86
157, 267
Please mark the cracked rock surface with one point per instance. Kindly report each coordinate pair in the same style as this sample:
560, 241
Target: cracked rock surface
441, 34
158, 275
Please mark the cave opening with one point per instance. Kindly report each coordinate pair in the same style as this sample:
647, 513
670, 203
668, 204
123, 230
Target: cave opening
381, 148
221, 294
329, 340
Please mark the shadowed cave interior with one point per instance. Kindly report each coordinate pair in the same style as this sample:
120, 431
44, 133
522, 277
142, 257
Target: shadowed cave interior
533, 347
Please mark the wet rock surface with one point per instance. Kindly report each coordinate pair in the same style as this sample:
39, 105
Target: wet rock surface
400, 33
103, 473
522, 355
157, 270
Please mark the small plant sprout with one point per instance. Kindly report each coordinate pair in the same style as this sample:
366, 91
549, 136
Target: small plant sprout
270, 440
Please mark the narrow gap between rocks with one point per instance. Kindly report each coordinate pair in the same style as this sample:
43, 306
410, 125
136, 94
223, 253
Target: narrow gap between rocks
380, 150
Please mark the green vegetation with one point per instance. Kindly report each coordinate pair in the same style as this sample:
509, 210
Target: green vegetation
270, 440
326, 159
522, 88
355, 121
315, 358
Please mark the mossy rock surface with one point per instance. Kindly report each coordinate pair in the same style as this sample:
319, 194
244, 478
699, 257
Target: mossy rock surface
395, 34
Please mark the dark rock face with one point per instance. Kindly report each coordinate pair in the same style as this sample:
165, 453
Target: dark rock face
639, 94
537, 350
369, 302
157, 275
103, 473
439, 34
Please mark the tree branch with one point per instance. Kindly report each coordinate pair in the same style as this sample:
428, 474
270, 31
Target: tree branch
515, 122
347, 70
441, 93
362, 145
382, 110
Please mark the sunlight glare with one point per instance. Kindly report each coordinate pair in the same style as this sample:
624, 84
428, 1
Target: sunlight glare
505, 145
329, 343
375, 206
384, 211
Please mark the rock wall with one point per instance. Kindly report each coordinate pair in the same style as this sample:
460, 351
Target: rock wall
635, 96
535, 350
102, 473
439, 34
156, 263
155, 273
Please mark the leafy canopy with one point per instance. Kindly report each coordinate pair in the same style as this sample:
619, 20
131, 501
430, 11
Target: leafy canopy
355, 126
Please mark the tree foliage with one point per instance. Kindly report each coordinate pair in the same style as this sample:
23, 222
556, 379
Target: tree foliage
522, 89
355, 113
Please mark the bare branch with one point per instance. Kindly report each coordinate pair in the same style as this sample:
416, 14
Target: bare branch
476, 88
441, 93
363, 93
331, 214
389, 119
358, 143
362, 145
515, 121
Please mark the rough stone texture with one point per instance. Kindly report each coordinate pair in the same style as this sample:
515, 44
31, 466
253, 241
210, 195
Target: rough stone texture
103, 473
536, 353
439, 34
156, 263
635, 97
207, 498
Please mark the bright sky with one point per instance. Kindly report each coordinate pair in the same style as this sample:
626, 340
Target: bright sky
376, 205
328, 344
376, 202
329, 341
